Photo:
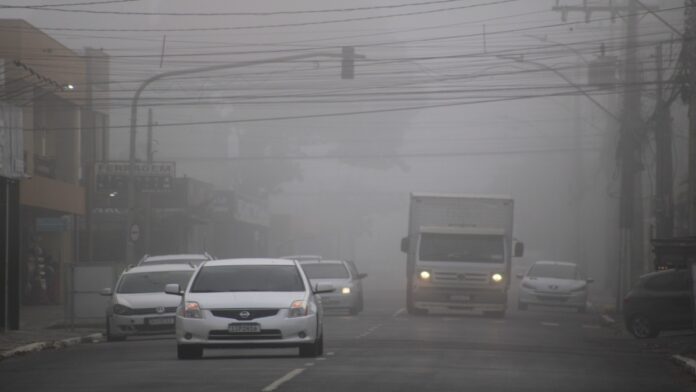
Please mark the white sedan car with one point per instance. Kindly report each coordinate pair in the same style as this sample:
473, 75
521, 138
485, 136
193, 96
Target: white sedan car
553, 283
139, 306
246, 303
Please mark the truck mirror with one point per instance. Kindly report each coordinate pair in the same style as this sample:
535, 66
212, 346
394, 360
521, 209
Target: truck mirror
404, 244
519, 249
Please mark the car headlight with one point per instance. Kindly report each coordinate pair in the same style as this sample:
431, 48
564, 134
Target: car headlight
122, 310
345, 290
191, 309
424, 275
497, 277
528, 285
298, 308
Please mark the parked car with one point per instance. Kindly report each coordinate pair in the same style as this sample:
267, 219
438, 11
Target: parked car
553, 283
249, 303
139, 305
344, 276
659, 301
195, 259
302, 257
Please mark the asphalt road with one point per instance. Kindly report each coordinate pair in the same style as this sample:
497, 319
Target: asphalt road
383, 350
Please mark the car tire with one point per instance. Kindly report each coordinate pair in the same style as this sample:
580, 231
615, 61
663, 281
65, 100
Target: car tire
110, 337
312, 350
642, 327
521, 306
189, 351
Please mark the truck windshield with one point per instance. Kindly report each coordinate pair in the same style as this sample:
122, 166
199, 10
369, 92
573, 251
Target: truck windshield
458, 247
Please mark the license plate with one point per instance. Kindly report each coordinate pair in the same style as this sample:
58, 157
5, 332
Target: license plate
460, 298
244, 328
160, 321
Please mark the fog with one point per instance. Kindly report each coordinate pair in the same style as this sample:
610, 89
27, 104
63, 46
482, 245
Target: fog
436, 105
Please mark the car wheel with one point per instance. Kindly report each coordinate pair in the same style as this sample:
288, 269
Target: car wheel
188, 351
110, 337
642, 327
311, 350
521, 306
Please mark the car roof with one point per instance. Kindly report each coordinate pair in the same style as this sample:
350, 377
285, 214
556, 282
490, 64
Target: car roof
321, 262
302, 257
548, 262
159, 267
661, 272
176, 257
259, 261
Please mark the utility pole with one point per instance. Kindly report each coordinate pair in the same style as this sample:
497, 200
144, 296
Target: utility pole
664, 194
690, 66
148, 197
631, 236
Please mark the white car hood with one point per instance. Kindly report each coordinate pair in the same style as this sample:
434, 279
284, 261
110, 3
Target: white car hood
147, 300
236, 300
553, 284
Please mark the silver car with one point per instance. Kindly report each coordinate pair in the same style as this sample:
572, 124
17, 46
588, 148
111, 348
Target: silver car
344, 276
139, 305
249, 303
193, 259
553, 283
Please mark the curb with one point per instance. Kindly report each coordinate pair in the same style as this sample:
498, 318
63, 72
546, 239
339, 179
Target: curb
55, 344
687, 364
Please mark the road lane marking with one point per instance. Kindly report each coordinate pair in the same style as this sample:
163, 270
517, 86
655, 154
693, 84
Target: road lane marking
590, 326
309, 364
330, 353
369, 331
549, 324
321, 359
289, 376
608, 319
399, 312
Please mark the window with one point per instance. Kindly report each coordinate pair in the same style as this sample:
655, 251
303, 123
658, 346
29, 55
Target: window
465, 248
557, 271
233, 278
152, 282
325, 271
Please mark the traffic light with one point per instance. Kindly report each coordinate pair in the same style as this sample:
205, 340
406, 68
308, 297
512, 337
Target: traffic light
348, 62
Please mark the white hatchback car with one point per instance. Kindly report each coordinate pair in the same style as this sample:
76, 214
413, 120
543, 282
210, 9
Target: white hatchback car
553, 283
139, 306
246, 303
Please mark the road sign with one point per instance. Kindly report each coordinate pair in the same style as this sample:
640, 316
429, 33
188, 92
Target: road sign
148, 177
134, 232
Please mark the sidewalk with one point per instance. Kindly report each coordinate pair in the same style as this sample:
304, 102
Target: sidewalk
42, 327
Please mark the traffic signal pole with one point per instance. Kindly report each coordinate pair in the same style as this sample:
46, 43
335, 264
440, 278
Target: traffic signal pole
348, 56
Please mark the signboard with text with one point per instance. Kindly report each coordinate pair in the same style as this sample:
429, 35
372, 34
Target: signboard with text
148, 177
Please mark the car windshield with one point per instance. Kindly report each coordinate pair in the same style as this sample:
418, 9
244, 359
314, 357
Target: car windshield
557, 271
325, 271
152, 282
457, 247
248, 278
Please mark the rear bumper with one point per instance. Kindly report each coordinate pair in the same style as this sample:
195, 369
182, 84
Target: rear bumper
141, 324
531, 297
339, 301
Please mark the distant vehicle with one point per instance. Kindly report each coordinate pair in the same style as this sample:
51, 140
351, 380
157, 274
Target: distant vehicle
659, 301
249, 303
344, 276
553, 283
195, 259
459, 250
139, 305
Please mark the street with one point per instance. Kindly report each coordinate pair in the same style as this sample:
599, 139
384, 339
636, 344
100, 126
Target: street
383, 349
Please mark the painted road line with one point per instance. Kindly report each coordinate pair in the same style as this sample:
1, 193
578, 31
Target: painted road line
608, 319
308, 364
289, 376
591, 326
321, 359
399, 312
548, 324
331, 353
369, 331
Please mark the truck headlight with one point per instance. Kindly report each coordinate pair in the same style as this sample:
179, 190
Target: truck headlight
425, 275
497, 278
345, 290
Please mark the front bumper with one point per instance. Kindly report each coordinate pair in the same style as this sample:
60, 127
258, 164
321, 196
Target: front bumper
459, 300
146, 324
276, 331
570, 299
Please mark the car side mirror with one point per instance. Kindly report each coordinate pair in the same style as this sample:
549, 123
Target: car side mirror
362, 276
519, 249
589, 280
519, 276
107, 292
321, 288
405, 242
173, 289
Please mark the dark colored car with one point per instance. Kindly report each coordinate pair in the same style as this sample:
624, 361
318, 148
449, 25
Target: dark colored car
659, 301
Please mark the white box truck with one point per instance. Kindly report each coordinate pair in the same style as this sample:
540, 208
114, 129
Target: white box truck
459, 250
